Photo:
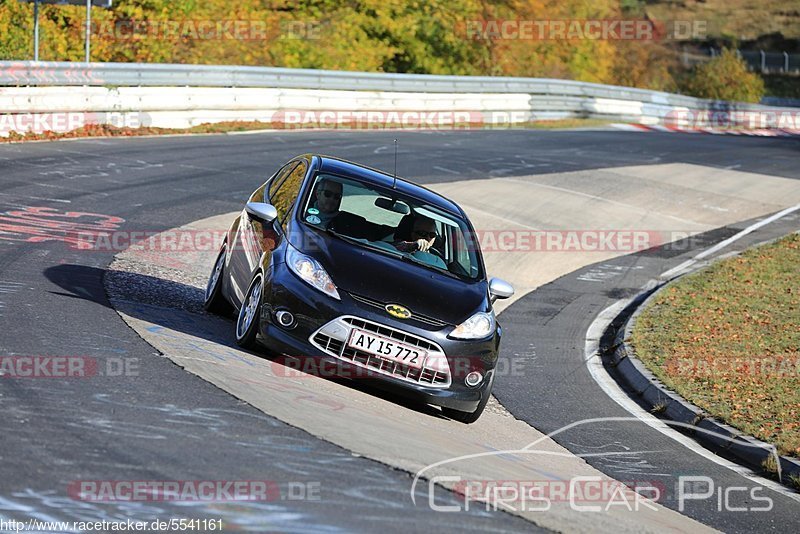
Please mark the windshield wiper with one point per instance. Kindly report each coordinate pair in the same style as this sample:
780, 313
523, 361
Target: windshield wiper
340, 236
417, 261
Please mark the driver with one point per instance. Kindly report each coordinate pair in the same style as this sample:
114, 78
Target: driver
329, 197
423, 235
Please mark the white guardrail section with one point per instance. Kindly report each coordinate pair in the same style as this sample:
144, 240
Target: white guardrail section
39, 96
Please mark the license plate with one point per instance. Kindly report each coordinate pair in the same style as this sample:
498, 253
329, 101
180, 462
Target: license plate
386, 348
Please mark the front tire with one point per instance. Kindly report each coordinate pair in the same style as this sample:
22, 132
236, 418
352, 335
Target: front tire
215, 301
471, 417
250, 314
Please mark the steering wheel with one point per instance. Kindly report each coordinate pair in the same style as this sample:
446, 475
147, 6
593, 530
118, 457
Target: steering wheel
436, 252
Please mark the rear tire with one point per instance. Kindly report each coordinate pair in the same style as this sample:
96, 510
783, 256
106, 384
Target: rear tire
471, 417
215, 301
250, 314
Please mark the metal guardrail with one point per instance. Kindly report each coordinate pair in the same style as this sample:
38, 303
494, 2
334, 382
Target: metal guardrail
757, 60
28, 73
781, 102
771, 62
36, 95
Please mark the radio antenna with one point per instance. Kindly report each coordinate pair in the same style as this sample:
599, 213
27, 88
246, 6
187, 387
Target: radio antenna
394, 176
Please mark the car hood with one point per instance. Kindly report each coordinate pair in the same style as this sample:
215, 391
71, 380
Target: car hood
389, 280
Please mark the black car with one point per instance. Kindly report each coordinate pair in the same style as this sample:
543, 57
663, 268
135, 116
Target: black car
336, 263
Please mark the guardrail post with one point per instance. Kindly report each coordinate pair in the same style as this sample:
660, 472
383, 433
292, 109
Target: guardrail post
88, 30
36, 30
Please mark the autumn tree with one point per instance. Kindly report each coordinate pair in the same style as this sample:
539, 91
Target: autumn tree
413, 36
725, 77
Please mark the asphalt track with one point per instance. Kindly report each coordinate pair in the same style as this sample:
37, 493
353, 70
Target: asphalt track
165, 424
558, 385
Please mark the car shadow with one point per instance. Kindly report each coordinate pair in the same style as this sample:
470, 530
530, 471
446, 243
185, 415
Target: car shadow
177, 306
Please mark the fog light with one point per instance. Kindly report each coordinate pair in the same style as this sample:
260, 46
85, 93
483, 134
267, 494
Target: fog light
284, 318
473, 379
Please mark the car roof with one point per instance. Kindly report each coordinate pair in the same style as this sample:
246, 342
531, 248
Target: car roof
346, 168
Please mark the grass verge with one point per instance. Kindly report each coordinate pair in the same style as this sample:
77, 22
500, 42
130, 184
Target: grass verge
104, 130
728, 340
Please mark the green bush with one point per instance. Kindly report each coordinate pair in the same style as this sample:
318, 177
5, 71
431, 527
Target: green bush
724, 78
782, 85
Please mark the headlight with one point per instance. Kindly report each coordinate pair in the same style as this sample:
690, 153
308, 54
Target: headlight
478, 326
310, 271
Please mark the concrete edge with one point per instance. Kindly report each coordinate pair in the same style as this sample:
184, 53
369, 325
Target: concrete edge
665, 403
750, 132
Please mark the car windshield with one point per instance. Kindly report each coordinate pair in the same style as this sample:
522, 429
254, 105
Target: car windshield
392, 224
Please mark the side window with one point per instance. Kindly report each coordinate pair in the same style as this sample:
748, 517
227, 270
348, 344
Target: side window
260, 194
283, 194
276, 181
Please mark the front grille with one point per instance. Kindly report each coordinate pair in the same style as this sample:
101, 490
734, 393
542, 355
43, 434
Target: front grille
397, 335
329, 344
414, 316
426, 375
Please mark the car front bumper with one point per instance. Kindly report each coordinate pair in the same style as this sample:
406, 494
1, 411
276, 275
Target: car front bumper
317, 313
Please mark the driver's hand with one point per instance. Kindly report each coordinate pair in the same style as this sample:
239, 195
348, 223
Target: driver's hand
406, 246
423, 245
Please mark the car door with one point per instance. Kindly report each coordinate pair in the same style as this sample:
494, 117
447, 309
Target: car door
242, 243
257, 239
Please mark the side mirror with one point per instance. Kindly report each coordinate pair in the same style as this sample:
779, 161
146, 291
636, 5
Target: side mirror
500, 289
261, 211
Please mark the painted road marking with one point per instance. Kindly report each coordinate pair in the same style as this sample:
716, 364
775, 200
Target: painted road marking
722, 244
595, 366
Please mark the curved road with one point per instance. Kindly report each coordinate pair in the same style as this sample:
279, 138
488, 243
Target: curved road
158, 422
